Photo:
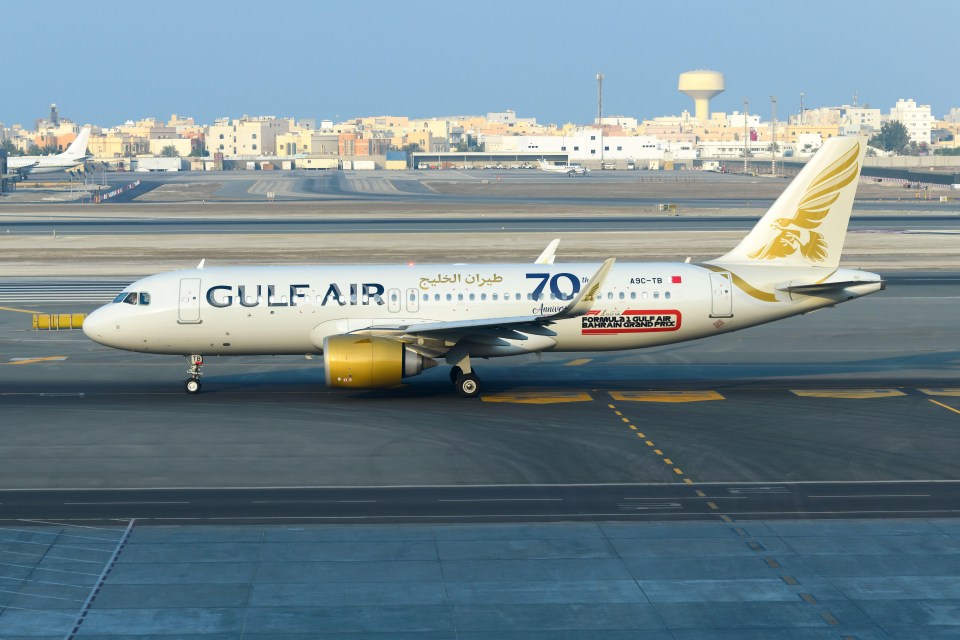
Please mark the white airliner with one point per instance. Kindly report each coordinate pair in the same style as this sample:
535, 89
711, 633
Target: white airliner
75, 154
569, 169
376, 325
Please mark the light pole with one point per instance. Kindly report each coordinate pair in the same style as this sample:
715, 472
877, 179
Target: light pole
746, 134
773, 135
600, 113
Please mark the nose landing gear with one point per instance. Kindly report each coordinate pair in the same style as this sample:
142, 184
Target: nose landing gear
192, 385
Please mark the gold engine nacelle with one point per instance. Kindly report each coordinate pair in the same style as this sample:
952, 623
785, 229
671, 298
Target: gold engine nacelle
364, 362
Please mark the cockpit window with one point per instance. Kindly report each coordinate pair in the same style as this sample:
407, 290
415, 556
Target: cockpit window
121, 297
131, 298
144, 298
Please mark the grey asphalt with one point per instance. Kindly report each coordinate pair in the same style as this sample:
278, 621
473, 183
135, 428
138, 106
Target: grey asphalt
101, 418
806, 516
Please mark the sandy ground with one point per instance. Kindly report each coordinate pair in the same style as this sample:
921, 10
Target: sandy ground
122, 254
69, 255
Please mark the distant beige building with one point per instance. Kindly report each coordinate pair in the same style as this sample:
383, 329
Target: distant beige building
246, 136
918, 119
306, 142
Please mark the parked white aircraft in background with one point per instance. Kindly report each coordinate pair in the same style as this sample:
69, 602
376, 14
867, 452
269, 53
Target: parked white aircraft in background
569, 169
375, 325
75, 154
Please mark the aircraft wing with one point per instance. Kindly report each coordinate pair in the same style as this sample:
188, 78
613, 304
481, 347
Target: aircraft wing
441, 336
22, 168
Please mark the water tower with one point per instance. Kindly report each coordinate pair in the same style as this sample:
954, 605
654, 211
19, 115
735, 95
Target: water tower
701, 85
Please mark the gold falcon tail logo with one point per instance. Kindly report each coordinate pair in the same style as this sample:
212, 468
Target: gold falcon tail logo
799, 232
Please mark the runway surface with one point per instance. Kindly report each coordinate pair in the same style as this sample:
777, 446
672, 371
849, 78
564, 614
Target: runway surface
447, 224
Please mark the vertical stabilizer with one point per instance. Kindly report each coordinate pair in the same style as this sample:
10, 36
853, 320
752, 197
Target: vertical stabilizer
78, 148
807, 224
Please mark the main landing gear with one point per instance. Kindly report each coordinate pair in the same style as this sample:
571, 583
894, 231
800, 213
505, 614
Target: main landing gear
192, 385
466, 384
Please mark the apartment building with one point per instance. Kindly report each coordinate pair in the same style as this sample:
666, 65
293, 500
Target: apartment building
248, 136
918, 119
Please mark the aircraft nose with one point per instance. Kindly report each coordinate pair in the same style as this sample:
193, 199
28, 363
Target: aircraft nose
93, 325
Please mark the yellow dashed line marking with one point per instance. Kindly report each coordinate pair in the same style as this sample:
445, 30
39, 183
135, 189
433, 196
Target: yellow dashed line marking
713, 506
665, 396
848, 394
789, 580
829, 619
35, 360
726, 519
953, 393
945, 406
808, 597
14, 309
773, 564
701, 493
538, 397
741, 532
578, 362
649, 443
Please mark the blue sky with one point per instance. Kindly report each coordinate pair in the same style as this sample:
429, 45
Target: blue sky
106, 61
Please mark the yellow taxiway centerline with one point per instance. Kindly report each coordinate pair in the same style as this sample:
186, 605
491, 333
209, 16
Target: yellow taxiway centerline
945, 406
14, 309
35, 360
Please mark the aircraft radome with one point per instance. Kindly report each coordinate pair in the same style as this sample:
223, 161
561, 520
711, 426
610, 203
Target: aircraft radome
376, 325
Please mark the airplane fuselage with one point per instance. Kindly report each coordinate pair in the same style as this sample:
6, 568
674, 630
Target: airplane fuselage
290, 310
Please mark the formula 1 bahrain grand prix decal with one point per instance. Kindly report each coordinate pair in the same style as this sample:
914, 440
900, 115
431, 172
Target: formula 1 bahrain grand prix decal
630, 321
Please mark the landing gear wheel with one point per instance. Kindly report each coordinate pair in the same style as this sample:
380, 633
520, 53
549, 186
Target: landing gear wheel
455, 372
192, 386
468, 385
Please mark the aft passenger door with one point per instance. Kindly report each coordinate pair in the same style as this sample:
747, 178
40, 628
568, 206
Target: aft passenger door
722, 296
189, 300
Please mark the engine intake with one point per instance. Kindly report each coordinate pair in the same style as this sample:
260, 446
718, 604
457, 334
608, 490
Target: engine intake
364, 362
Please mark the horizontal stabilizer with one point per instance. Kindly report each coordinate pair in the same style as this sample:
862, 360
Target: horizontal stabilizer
825, 287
